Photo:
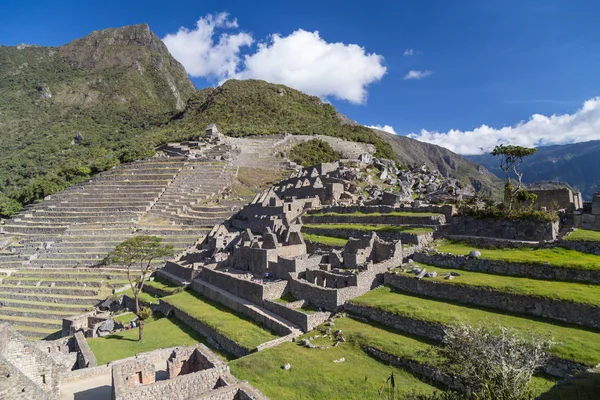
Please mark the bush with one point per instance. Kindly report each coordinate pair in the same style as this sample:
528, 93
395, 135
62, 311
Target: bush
9, 207
496, 212
312, 152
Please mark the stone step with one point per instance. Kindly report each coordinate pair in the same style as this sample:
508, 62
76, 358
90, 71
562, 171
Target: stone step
98, 210
70, 273
34, 313
46, 282
114, 217
27, 290
50, 298
31, 230
37, 322
37, 305
32, 332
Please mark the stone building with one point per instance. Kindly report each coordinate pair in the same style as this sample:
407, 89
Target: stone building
27, 371
558, 199
192, 373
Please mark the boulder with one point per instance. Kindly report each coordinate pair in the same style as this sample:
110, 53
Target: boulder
106, 327
475, 254
287, 366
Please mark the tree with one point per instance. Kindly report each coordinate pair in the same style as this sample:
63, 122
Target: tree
511, 158
494, 362
137, 253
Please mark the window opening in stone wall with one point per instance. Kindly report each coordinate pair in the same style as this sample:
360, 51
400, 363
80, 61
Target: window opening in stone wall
140, 380
43, 376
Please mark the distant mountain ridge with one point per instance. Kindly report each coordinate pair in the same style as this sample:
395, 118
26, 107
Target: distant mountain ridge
577, 164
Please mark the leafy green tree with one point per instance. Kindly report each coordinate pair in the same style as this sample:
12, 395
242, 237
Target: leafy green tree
8, 206
511, 158
137, 254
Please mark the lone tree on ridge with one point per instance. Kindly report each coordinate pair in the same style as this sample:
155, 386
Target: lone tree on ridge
511, 158
137, 253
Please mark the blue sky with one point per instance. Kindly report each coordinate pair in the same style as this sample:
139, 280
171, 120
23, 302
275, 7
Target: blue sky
491, 64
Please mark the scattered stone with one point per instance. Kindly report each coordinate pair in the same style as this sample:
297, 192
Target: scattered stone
341, 360
449, 277
421, 274
431, 274
454, 273
475, 254
287, 366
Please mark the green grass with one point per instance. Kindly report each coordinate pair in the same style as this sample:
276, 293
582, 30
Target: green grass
326, 240
374, 228
162, 284
144, 297
377, 214
314, 375
568, 291
238, 328
574, 343
125, 318
556, 256
584, 235
158, 334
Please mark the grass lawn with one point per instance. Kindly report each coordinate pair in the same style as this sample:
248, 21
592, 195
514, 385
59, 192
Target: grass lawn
584, 235
574, 343
326, 240
375, 228
377, 214
158, 334
236, 327
557, 290
162, 284
144, 297
314, 375
556, 256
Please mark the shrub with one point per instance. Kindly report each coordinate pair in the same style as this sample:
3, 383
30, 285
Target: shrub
314, 151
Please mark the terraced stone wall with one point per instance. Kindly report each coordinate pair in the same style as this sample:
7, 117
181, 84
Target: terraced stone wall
575, 313
186, 273
504, 229
252, 291
581, 246
554, 366
16, 386
376, 219
420, 240
448, 210
305, 321
531, 270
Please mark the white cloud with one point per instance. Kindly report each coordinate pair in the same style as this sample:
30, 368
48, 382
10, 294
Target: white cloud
409, 52
413, 74
387, 128
302, 60
539, 130
201, 54
305, 61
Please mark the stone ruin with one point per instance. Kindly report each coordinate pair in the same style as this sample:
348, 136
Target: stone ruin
27, 371
192, 373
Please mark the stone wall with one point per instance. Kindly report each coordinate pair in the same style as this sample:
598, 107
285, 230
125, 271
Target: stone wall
448, 210
252, 291
14, 385
558, 199
186, 273
205, 330
499, 267
85, 357
306, 322
419, 240
317, 296
504, 229
582, 246
554, 366
589, 217
33, 363
493, 243
575, 313
376, 219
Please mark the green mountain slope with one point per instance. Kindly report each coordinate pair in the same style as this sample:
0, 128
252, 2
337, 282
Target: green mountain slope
109, 87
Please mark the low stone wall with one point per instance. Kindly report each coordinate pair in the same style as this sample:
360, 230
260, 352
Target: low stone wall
252, 291
186, 273
554, 366
419, 240
581, 246
493, 243
376, 219
448, 210
85, 357
450, 381
306, 321
504, 229
72, 324
574, 313
154, 291
499, 267
326, 298
205, 330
